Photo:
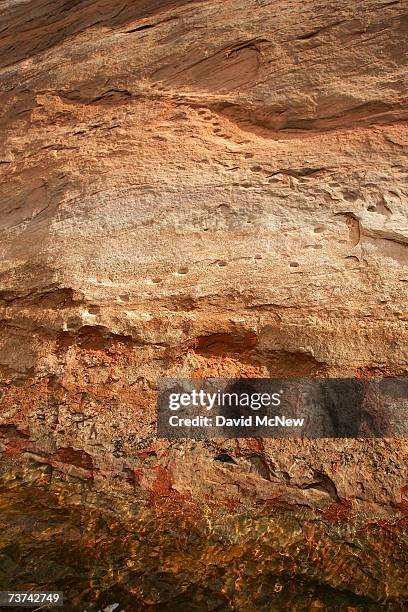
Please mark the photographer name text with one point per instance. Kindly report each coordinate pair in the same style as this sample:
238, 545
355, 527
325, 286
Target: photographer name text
240, 421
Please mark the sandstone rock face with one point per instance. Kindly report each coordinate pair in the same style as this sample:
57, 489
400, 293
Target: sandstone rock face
199, 188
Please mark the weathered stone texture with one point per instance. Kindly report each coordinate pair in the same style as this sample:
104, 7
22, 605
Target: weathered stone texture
200, 188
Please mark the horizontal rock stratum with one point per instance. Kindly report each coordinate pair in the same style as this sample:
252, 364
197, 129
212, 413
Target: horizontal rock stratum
193, 188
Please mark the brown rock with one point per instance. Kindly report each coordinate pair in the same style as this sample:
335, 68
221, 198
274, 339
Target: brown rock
201, 189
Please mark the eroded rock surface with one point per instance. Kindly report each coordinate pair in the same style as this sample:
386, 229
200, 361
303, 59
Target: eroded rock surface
200, 189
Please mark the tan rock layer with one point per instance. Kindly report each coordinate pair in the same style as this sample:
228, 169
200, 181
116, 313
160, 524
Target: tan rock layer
200, 189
